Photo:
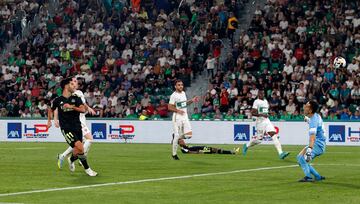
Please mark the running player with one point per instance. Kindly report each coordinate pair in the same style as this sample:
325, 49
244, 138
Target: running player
260, 110
69, 109
85, 130
317, 143
178, 104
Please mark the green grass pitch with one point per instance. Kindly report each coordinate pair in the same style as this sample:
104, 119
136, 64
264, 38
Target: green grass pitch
32, 166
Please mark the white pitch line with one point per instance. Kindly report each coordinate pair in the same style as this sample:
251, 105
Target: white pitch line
146, 180
23, 148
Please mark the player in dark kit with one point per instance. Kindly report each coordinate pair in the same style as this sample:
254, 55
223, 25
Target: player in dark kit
69, 108
202, 149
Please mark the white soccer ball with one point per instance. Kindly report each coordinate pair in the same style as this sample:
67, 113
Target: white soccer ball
339, 62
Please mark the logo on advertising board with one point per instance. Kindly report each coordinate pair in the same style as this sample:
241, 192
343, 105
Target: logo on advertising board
36, 131
353, 135
241, 132
336, 133
14, 131
125, 132
98, 131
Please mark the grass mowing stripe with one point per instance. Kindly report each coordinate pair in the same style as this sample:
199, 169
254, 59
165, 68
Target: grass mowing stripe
146, 180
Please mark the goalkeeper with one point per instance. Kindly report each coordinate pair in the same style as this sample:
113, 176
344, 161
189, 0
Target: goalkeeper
202, 149
316, 145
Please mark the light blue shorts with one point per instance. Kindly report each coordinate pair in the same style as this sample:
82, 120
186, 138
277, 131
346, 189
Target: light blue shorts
319, 149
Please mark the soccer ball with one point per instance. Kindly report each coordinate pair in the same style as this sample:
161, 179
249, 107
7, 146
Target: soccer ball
339, 62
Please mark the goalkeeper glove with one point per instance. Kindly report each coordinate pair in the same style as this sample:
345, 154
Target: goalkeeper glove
308, 154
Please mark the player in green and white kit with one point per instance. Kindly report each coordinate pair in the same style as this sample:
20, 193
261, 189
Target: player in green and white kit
260, 110
178, 105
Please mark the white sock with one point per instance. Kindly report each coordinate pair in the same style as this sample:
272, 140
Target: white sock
277, 143
87, 144
175, 144
67, 152
253, 142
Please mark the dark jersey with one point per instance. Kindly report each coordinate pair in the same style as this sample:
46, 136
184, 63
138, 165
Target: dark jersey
69, 119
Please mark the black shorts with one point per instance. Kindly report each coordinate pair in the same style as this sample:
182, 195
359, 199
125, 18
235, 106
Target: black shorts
72, 136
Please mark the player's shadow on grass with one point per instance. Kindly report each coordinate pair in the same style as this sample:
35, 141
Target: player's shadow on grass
337, 184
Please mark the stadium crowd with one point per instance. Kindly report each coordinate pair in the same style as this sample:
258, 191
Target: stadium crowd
289, 51
126, 56
12, 15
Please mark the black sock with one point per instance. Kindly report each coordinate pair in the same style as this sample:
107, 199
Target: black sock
221, 151
82, 158
73, 158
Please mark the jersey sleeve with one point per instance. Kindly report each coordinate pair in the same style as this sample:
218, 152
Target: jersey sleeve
255, 105
172, 99
313, 123
78, 102
80, 94
54, 104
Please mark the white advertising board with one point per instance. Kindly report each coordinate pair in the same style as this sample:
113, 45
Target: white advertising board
204, 132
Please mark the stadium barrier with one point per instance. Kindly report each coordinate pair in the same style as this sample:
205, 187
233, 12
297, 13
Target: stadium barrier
205, 132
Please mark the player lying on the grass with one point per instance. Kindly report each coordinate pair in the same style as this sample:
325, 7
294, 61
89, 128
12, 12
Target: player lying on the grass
260, 110
178, 105
317, 143
85, 130
69, 109
202, 149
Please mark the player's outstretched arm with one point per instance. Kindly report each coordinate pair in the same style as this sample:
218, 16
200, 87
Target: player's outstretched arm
50, 115
56, 118
81, 108
90, 110
193, 100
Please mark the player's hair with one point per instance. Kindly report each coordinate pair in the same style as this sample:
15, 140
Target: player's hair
65, 82
177, 81
314, 106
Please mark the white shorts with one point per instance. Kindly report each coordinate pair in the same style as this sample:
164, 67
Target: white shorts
85, 129
264, 127
181, 127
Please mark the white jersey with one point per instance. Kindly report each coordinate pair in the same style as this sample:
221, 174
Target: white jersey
262, 106
179, 100
80, 94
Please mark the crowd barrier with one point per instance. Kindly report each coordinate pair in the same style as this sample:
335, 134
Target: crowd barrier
204, 132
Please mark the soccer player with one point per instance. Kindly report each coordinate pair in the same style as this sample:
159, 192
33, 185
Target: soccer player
317, 143
85, 130
202, 149
69, 108
260, 110
178, 104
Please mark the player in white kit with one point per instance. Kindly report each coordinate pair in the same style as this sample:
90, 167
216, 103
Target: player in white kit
264, 127
85, 130
178, 104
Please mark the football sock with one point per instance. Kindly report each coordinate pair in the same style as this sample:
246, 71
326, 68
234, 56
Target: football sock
221, 151
304, 165
67, 152
82, 158
175, 144
87, 144
314, 172
277, 143
253, 143
73, 158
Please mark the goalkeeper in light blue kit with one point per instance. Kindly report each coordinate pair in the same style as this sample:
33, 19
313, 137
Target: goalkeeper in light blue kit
316, 145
